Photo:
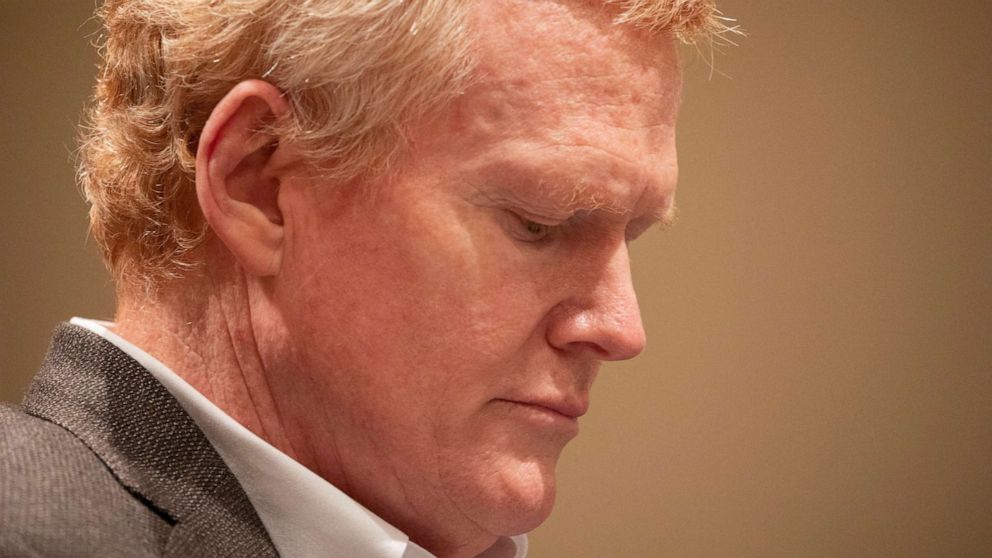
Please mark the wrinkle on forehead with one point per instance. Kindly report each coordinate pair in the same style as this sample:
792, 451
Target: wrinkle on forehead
620, 97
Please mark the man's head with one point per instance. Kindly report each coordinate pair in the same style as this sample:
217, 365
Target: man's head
422, 218
356, 76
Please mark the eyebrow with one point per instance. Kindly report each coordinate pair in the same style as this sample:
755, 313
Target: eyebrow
564, 197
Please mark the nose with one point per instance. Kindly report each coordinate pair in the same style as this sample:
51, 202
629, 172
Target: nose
601, 316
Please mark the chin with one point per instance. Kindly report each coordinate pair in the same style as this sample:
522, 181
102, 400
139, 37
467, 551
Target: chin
516, 499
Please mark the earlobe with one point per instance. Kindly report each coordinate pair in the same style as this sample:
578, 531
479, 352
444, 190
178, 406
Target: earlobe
237, 178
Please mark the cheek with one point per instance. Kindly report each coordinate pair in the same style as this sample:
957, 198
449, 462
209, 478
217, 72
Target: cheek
461, 285
501, 309
429, 301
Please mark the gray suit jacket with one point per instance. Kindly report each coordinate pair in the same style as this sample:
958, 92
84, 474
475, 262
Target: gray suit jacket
101, 460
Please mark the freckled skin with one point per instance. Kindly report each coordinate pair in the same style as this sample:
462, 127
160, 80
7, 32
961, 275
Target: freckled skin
404, 324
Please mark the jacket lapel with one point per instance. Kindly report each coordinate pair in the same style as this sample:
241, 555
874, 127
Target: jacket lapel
120, 411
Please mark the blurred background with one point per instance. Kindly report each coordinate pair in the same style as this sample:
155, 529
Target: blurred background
818, 380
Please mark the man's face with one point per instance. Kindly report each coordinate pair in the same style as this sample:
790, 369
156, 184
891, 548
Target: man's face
441, 336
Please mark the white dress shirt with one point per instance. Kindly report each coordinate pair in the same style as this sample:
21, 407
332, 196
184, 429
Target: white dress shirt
305, 515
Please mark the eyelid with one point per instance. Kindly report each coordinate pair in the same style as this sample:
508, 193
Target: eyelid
543, 220
523, 207
522, 223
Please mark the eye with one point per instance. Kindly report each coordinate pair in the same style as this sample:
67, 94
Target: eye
536, 230
529, 230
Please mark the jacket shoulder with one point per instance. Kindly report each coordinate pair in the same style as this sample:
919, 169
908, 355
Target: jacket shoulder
57, 498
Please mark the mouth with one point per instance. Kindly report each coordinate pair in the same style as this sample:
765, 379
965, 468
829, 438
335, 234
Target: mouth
561, 408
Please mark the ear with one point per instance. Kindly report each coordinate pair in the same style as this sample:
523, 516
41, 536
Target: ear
239, 168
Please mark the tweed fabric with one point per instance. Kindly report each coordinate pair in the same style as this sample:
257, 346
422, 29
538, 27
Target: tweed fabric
102, 461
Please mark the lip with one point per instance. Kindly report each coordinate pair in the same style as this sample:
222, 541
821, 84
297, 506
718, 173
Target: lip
570, 408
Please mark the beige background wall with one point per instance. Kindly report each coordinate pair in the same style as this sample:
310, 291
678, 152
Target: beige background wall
819, 375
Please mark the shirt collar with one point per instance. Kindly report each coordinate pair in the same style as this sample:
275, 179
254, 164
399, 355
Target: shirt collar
305, 515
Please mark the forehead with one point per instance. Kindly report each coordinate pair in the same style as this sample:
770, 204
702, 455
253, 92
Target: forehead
564, 98
550, 54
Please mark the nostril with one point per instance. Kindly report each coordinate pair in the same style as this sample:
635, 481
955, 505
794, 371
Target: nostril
599, 335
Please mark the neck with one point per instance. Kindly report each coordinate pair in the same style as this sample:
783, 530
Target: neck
204, 334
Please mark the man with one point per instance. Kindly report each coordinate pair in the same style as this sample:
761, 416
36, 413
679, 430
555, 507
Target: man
369, 256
